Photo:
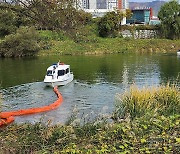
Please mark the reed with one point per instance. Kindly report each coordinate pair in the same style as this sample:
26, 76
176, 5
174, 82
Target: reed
162, 100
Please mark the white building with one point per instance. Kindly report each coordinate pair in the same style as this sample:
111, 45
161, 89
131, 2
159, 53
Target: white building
84, 4
92, 4
112, 4
125, 4
99, 8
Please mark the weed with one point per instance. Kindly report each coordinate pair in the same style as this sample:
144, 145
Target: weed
162, 100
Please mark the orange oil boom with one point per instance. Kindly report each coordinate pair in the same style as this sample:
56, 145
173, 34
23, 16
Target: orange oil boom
8, 117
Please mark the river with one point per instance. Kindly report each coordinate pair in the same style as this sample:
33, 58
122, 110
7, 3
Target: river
97, 80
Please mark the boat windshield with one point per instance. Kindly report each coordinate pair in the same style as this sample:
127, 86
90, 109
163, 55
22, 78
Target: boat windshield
61, 72
49, 73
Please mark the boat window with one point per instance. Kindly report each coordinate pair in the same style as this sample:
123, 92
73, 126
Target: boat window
49, 73
67, 70
61, 72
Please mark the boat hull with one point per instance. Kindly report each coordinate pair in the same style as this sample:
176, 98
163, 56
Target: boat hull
59, 83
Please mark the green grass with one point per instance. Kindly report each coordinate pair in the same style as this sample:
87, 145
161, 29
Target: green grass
154, 129
96, 45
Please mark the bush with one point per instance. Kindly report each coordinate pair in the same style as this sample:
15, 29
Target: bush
7, 22
164, 100
23, 43
110, 24
85, 34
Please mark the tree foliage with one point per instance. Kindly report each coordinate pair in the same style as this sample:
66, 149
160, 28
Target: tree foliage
128, 13
23, 43
110, 24
54, 15
11, 18
169, 15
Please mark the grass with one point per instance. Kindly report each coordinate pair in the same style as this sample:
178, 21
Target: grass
86, 41
144, 133
163, 100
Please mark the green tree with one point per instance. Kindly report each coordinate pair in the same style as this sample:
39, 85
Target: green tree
110, 24
128, 13
7, 22
169, 15
11, 18
54, 15
23, 43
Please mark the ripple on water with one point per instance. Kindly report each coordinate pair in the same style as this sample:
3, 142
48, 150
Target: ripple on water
82, 97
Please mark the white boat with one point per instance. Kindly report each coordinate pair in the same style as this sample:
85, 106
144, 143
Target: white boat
58, 75
178, 52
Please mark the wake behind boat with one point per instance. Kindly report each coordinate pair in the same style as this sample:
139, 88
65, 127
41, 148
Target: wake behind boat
58, 75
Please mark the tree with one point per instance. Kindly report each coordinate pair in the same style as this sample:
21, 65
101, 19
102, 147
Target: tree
110, 23
24, 42
169, 15
128, 13
53, 15
10, 18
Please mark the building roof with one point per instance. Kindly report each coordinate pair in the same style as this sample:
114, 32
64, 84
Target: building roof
141, 9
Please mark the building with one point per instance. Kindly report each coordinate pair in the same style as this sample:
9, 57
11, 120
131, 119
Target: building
123, 4
88, 4
92, 4
85, 4
140, 16
101, 4
112, 4
154, 21
99, 8
104, 4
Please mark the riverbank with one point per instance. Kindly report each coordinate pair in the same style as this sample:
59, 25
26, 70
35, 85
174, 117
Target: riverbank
151, 125
30, 42
98, 45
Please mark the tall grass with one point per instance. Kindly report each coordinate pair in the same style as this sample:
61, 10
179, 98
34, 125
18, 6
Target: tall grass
162, 100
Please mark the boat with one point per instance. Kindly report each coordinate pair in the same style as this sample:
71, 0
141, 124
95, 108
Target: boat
178, 52
58, 74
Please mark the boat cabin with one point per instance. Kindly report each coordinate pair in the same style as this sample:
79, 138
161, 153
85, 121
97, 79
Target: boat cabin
58, 70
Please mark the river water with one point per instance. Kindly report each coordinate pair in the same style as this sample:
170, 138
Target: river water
97, 80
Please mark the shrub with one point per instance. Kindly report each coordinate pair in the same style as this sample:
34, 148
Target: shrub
163, 100
23, 43
85, 34
7, 22
110, 24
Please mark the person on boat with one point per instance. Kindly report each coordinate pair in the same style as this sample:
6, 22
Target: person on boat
59, 63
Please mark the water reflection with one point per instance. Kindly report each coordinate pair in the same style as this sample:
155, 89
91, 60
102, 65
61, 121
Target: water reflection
94, 69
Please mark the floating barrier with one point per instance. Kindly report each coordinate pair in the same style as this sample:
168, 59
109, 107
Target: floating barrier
8, 117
